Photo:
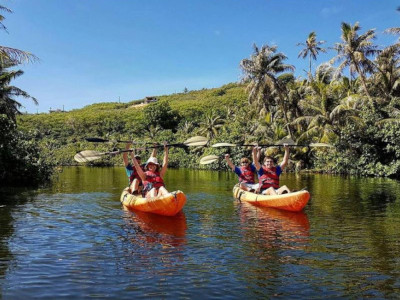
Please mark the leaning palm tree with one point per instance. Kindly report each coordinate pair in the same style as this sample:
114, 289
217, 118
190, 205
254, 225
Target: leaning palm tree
11, 55
393, 30
311, 49
353, 52
261, 71
8, 104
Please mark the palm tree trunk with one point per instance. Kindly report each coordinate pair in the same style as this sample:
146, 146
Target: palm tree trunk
282, 105
363, 81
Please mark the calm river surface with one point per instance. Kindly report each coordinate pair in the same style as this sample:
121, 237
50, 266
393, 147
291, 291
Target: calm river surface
74, 240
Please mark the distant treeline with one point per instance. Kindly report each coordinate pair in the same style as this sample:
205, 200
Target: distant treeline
351, 102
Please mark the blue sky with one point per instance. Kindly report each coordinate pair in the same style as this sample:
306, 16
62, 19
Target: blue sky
109, 50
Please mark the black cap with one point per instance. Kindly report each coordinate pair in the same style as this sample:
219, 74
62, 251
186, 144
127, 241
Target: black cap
137, 157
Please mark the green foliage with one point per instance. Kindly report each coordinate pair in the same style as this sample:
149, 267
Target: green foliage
21, 163
160, 114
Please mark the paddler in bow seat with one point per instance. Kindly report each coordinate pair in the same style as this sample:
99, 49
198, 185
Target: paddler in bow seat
135, 182
268, 174
246, 173
152, 176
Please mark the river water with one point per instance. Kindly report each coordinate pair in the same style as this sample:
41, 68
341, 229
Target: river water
75, 240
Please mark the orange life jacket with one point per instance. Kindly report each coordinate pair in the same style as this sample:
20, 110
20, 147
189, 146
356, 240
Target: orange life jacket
269, 178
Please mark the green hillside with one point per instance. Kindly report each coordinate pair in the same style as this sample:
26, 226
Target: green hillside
173, 118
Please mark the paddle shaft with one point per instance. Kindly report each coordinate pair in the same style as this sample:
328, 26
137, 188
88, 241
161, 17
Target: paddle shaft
265, 145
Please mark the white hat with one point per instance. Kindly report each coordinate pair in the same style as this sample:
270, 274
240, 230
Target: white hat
152, 160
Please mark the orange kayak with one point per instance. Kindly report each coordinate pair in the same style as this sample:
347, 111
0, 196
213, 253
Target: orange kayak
167, 205
295, 201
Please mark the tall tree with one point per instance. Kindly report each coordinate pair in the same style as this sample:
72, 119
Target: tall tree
311, 49
8, 104
353, 52
262, 71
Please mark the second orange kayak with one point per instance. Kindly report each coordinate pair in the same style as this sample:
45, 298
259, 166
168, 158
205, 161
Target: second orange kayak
295, 201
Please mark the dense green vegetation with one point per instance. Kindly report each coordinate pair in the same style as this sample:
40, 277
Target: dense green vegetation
351, 102
21, 162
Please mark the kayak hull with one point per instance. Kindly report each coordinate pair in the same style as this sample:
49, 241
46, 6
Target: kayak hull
167, 205
295, 201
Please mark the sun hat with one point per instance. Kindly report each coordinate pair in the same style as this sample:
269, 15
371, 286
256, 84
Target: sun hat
152, 160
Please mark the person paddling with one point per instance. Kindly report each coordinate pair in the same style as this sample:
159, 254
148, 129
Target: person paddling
268, 174
246, 173
135, 182
153, 174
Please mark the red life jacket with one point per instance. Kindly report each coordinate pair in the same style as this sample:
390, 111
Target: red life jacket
269, 178
247, 175
154, 178
135, 175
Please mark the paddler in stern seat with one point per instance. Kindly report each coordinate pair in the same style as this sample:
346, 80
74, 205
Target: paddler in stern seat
135, 182
153, 174
268, 174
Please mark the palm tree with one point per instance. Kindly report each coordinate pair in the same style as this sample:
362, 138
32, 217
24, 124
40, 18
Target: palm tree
211, 125
324, 113
387, 79
354, 51
262, 71
11, 55
8, 105
312, 49
152, 132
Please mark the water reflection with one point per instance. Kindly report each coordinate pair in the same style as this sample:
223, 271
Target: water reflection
273, 227
152, 228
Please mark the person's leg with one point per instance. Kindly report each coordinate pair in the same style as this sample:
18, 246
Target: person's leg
283, 190
162, 191
244, 187
152, 193
134, 186
269, 191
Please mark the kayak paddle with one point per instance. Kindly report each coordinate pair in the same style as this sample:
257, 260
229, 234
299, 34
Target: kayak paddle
90, 155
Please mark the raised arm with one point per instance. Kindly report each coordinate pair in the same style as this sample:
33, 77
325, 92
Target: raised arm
154, 152
229, 162
125, 155
165, 160
256, 158
258, 153
139, 170
285, 157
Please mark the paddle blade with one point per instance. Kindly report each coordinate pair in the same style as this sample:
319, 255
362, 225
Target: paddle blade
321, 145
88, 155
223, 145
288, 141
209, 159
196, 141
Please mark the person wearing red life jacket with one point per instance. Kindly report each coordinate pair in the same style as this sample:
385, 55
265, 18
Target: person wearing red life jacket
268, 174
246, 173
153, 174
135, 182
